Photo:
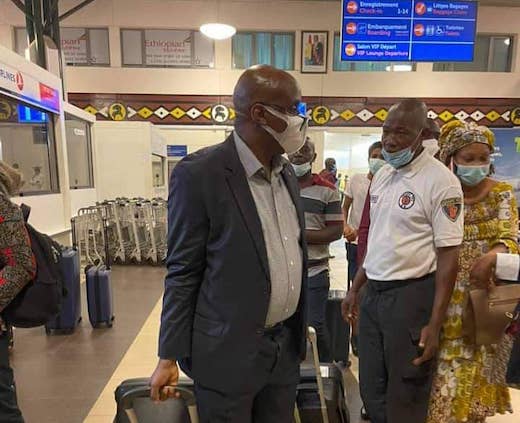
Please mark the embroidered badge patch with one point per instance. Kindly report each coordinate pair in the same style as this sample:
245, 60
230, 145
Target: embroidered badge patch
452, 208
407, 200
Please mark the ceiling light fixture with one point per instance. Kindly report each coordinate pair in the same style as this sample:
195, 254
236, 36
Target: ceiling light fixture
218, 31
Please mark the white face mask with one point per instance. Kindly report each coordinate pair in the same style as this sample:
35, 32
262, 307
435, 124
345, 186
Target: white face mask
431, 146
293, 137
301, 169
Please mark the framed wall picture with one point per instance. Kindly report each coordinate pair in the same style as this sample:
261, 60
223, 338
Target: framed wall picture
315, 45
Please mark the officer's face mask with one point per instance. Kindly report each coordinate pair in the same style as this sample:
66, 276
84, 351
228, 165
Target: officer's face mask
472, 175
293, 137
403, 157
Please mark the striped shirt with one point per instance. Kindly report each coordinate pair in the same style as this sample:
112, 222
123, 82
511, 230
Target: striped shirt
322, 206
281, 231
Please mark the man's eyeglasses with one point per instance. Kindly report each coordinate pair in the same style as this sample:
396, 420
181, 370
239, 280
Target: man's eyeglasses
299, 109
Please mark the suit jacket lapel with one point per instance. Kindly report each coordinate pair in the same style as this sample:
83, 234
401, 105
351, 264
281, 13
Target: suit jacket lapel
239, 186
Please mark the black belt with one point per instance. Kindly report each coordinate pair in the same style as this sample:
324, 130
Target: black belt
386, 285
319, 262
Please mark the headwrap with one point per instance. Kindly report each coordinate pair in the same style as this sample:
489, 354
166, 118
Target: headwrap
10, 179
456, 135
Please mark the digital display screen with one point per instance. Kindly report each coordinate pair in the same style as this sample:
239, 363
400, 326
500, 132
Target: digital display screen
27, 114
408, 30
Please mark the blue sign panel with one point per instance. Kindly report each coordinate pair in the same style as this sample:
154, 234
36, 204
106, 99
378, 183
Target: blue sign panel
507, 157
177, 150
408, 30
29, 115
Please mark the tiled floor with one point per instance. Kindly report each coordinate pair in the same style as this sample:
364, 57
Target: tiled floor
72, 379
59, 378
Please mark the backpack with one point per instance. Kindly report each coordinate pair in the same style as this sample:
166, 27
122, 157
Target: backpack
41, 299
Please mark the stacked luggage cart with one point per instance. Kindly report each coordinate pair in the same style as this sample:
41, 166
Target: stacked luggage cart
135, 233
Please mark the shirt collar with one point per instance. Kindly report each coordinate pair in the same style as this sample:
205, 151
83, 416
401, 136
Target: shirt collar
411, 169
250, 162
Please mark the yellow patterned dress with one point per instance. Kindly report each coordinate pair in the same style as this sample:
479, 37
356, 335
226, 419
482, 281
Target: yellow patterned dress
470, 381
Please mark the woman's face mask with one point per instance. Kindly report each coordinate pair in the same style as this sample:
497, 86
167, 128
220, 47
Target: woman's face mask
472, 175
472, 163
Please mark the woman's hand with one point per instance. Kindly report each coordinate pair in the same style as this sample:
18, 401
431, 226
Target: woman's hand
483, 270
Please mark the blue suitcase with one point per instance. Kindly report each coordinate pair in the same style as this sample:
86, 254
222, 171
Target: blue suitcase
99, 291
99, 296
70, 315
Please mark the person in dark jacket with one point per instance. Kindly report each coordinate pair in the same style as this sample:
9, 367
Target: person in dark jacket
18, 268
234, 302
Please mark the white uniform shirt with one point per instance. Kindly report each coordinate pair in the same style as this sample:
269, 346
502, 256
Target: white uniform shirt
357, 190
413, 211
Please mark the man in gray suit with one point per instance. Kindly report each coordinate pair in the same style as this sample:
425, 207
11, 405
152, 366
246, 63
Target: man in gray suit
234, 300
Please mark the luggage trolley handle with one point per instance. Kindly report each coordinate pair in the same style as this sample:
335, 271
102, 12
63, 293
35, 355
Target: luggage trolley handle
311, 334
74, 233
144, 392
104, 222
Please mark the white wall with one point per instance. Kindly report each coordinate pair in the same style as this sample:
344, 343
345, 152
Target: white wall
262, 15
199, 137
81, 198
195, 138
47, 212
123, 160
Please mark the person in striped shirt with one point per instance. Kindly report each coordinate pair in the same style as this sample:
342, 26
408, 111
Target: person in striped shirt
323, 225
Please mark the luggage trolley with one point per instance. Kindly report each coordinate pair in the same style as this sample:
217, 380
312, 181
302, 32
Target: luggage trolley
146, 249
160, 227
125, 216
94, 234
113, 230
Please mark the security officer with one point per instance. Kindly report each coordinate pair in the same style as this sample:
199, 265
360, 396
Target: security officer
416, 228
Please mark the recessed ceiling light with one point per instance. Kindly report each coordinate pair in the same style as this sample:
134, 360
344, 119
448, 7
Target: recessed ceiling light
218, 31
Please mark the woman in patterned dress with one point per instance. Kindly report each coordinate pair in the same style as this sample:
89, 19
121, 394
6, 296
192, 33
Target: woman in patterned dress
17, 268
469, 384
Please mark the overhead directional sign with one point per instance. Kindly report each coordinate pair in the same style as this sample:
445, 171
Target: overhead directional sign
408, 30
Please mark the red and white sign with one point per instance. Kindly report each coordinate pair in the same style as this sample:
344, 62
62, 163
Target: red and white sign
418, 30
420, 8
351, 28
74, 45
49, 96
19, 81
26, 88
352, 7
167, 47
